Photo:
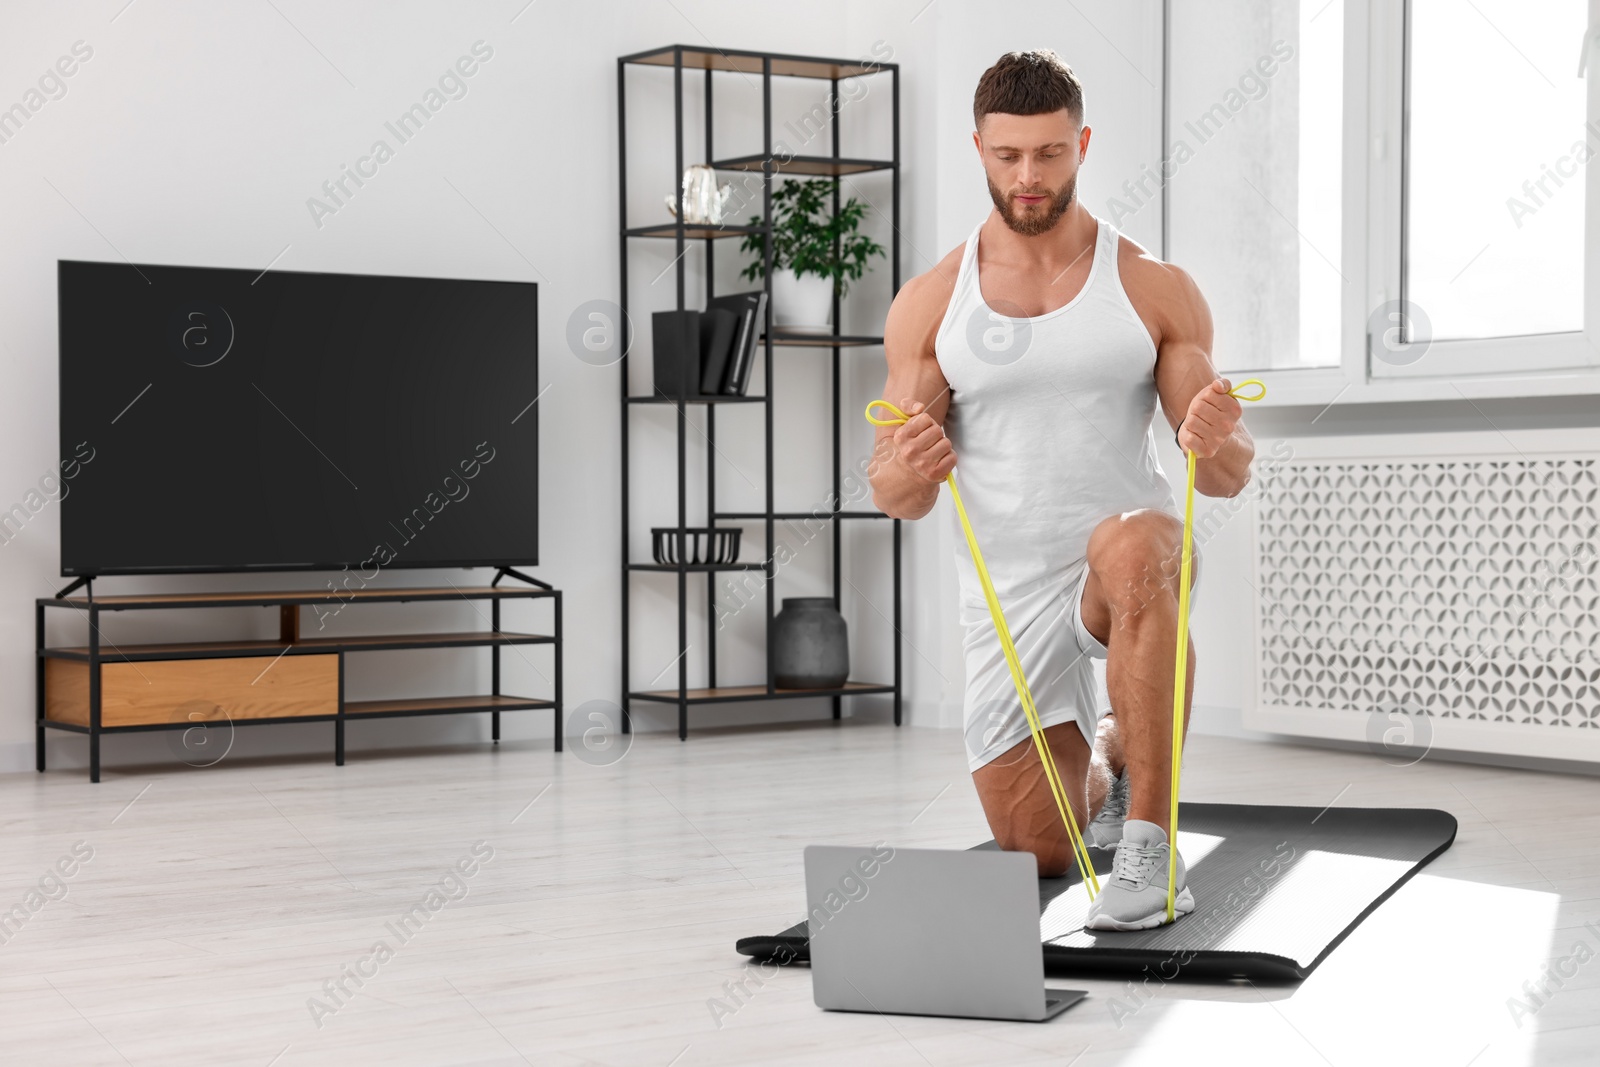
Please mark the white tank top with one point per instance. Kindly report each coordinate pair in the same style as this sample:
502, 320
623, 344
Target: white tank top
1050, 418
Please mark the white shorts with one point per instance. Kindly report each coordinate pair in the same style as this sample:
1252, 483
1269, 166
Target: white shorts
1058, 655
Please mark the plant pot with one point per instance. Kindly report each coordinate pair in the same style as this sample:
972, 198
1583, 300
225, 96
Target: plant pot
810, 644
802, 304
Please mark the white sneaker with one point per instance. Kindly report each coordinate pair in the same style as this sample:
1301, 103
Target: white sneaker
1105, 829
1135, 896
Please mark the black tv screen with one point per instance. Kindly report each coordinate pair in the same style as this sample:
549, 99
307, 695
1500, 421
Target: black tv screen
230, 420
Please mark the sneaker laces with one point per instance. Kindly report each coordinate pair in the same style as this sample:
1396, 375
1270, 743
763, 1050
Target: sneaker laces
1116, 806
1136, 865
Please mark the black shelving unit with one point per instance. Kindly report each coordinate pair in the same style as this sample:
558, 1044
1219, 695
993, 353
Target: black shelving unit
767, 65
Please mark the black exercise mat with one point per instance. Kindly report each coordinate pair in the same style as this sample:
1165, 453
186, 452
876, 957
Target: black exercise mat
1276, 889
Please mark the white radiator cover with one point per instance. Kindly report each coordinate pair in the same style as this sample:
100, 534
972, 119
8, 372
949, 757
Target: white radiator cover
1430, 591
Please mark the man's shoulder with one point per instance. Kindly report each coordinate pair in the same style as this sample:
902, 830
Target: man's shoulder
1150, 281
937, 284
1163, 295
921, 303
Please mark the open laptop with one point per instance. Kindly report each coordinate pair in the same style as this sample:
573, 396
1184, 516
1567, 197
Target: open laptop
918, 931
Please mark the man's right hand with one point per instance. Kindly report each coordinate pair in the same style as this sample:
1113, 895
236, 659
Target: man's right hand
921, 444
911, 459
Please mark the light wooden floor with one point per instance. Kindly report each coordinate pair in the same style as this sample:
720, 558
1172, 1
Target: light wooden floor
217, 902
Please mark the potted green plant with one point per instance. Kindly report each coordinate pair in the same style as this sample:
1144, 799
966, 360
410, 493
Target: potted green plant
814, 253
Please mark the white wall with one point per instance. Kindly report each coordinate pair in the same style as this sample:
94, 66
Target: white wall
197, 131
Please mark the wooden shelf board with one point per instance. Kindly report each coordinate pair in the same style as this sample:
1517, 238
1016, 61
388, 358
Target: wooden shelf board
753, 516
781, 339
306, 645
757, 692
699, 231
671, 567
822, 165
442, 705
270, 598
724, 398
750, 63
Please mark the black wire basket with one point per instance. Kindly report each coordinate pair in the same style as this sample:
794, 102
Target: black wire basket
703, 544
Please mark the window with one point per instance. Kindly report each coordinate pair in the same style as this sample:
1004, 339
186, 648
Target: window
1390, 199
1255, 189
1496, 153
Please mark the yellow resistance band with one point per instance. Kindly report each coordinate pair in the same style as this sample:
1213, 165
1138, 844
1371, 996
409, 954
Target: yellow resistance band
1180, 675
1091, 883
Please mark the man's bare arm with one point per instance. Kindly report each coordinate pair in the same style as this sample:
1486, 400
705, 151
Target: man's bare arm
910, 461
1193, 397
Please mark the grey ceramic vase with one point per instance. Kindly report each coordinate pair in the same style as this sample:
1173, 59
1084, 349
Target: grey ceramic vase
810, 644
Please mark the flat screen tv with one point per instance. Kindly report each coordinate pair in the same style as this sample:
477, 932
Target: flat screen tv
240, 420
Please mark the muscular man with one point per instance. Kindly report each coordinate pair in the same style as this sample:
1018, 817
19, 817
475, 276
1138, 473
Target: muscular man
1036, 353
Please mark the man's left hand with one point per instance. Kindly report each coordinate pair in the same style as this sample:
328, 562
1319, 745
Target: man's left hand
1210, 420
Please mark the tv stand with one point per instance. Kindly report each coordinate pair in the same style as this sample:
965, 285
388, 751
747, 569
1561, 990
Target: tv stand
102, 688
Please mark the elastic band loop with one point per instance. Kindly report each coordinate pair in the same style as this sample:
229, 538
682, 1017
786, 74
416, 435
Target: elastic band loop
899, 418
1261, 390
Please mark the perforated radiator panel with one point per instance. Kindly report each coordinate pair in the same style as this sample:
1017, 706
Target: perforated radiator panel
1458, 589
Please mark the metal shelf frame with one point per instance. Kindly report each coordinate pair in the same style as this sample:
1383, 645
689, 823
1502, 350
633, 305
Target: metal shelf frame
768, 65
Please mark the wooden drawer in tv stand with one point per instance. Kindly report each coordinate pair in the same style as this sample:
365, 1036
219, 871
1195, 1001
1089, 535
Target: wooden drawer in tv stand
194, 690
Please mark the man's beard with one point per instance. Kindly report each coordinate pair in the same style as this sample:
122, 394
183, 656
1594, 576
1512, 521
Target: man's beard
1035, 222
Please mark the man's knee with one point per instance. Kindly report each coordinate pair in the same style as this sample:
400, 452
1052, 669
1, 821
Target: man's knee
1137, 557
1052, 851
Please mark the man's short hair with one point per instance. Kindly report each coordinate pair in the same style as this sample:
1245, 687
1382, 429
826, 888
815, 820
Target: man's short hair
1028, 83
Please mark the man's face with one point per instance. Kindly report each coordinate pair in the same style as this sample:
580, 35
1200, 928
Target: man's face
1031, 165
